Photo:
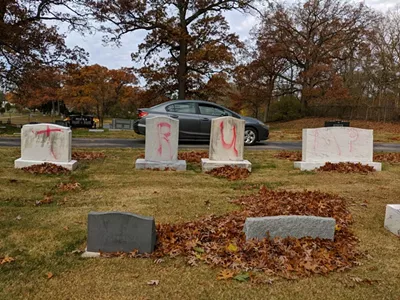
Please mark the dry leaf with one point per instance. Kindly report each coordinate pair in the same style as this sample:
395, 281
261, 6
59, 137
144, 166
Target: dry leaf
225, 274
232, 248
6, 260
153, 282
49, 275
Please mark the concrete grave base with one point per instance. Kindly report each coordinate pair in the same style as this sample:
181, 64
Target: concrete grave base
290, 226
96, 130
22, 163
309, 166
142, 164
89, 254
392, 218
208, 165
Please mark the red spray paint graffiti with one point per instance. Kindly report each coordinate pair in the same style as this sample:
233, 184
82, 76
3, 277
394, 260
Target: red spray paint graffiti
353, 135
326, 138
233, 142
47, 133
164, 136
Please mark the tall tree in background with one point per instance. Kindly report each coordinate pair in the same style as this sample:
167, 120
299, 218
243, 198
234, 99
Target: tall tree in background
97, 89
187, 40
313, 35
39, 87
26, 42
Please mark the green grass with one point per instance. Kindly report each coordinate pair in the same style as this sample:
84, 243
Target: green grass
42, 240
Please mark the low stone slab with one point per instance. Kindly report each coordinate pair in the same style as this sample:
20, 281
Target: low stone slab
178, 165
23, 163
290, 226
118, 231
96, 130
208, 165
392, 218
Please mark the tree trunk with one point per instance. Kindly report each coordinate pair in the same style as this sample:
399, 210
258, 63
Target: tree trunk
182, 59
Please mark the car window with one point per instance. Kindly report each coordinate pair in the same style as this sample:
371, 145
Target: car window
211, 110
184, 108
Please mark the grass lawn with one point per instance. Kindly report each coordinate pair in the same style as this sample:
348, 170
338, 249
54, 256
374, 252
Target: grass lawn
291, 131
41, 239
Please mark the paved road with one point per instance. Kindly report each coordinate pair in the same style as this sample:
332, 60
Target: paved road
139, 143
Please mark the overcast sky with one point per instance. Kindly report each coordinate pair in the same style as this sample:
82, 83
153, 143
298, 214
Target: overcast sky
116, 57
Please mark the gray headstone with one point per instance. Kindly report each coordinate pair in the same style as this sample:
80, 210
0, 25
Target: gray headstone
117, 231
290, 226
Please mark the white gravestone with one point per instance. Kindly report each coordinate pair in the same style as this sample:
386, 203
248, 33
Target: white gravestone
336, 144
46, 143
392, 218
226, 144
161, 149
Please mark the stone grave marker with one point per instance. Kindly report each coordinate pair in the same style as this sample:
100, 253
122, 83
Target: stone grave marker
336, 144
118, 231
226, 144
290, 226
41, 143
392, 218
161, 149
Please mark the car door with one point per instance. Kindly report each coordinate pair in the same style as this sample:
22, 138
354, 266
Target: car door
207, 113
189, 120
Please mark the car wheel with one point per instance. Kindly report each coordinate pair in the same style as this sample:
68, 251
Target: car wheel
250, 136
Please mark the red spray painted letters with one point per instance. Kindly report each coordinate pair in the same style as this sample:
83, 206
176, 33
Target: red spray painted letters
163, 136
233, 142
47, 133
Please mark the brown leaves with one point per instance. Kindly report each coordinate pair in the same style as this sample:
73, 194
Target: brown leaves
231, 173
6, 260
225, 274
193, 156
346, 168
46, 168
71, 186
220, 240
88, 155
289, 155
387, 157
47, 200
49, 275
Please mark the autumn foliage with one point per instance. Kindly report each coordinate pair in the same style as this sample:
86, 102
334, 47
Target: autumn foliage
346, 167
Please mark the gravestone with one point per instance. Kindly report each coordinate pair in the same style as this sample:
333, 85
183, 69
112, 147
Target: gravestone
46, 143
120, 232
335, 145
226, 144
392, 218
290, 226
161, 149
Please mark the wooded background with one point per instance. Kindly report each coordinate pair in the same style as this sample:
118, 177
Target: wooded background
327, 58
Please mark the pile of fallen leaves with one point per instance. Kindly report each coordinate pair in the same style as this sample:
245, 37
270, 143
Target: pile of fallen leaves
220, 240
346, 167
46, 168
387, 157
289, 155
231, 173
70, 186
193, 156
87, 155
